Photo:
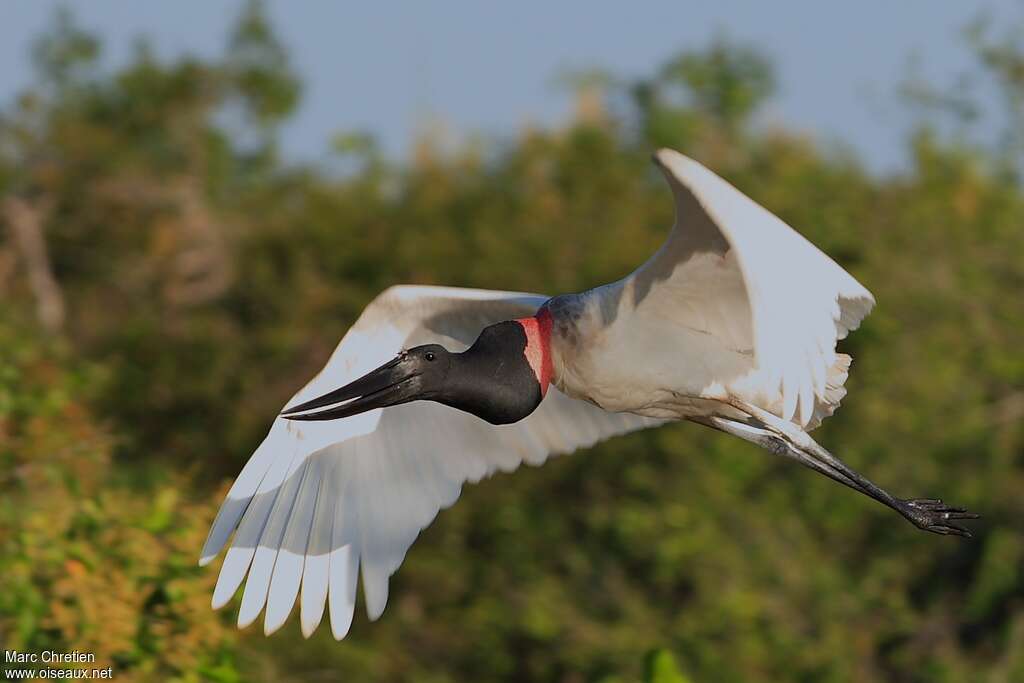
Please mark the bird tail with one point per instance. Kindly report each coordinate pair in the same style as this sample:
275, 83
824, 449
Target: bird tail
834, 390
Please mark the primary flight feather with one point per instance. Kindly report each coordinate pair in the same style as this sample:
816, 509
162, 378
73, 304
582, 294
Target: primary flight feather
732, 324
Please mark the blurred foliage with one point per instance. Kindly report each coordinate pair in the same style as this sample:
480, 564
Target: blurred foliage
87, 562
204, 280
662, 668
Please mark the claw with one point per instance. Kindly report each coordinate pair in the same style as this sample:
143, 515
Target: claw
950, 530
931, 514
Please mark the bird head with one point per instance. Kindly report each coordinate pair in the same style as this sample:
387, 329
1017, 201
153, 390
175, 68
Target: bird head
501, 378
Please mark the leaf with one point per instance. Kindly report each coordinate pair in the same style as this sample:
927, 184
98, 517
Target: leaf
660, 667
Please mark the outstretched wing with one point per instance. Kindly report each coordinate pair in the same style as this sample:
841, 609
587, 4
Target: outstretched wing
737, 272
319, 502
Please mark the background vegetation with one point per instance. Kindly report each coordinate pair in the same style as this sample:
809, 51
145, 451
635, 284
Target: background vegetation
167, 281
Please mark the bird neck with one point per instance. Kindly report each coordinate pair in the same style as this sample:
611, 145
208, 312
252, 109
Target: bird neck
538, 346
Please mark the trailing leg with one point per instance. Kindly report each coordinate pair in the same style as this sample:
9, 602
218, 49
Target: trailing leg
784, 438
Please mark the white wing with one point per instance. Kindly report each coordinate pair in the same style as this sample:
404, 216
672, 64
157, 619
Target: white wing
319, 501
736, 271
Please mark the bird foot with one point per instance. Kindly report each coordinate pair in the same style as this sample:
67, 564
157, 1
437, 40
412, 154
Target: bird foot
935, 516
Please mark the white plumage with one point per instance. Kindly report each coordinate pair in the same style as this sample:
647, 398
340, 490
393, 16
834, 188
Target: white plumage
799, 301
735, 303
732, 323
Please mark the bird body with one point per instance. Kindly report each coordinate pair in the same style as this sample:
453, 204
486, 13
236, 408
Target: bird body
592, 329
732, 324
702, 322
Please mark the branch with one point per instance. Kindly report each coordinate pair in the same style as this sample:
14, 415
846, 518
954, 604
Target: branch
26, 223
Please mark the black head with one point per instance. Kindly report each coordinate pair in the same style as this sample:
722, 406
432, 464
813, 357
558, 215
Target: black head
492, 379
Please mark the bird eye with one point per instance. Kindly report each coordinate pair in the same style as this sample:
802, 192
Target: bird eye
429, 355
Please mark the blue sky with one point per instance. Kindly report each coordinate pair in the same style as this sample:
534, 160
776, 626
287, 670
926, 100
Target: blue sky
393, 67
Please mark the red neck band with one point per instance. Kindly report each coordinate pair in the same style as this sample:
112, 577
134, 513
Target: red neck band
538, 346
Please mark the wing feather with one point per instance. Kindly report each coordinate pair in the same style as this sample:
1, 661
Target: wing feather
316, 564
344, 556
320, 504
756, 284
254, 597
287, 576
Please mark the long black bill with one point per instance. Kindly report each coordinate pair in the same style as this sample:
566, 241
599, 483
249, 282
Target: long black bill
388, 385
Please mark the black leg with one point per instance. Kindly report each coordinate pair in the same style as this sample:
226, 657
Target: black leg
765, 438
929, 514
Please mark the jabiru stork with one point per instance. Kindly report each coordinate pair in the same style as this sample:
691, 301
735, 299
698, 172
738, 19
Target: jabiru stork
732, 324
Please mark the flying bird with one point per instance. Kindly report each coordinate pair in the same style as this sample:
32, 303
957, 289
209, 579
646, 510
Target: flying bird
732, 324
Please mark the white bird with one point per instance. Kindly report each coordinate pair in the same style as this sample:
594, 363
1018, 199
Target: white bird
733, 324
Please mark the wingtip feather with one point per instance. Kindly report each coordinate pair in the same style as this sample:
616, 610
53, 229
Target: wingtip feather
284, 589
375, 590
254, 597
313, 598
343, 571
232, 573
